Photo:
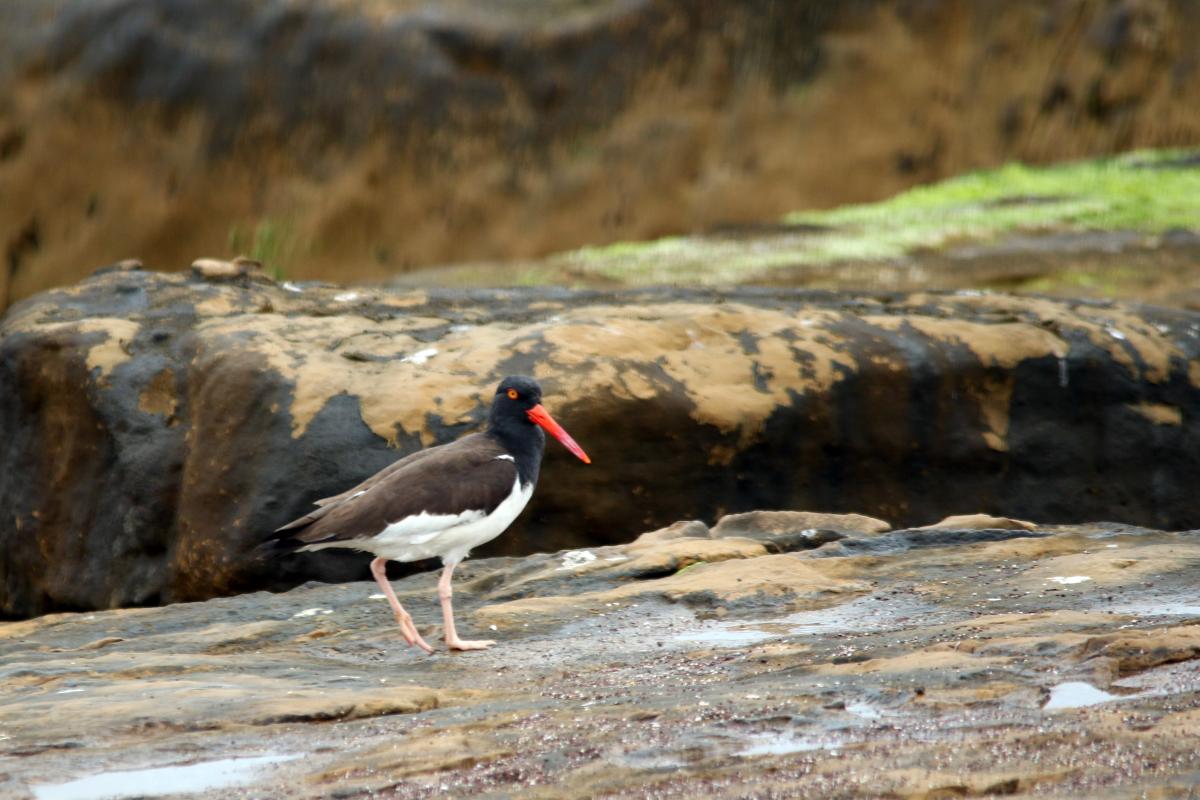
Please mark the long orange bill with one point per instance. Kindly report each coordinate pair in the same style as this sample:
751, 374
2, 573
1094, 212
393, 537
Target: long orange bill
539, 415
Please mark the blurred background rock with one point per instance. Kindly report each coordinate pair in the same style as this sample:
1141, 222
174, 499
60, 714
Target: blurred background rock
353, 140
705, 172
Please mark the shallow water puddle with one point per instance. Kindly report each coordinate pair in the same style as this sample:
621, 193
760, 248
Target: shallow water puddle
1077, 694
727, 637
1164, 608
159, 781
864, 615
780, 743
863, 710
861, 615
1070, 580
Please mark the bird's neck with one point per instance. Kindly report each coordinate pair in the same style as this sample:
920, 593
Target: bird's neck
526, 444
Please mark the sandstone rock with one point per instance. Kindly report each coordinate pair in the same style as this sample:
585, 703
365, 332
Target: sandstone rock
784, 578
578, 572
1136, 651
215, 269
765, 524
124, 265
154, 428
924, 784
979, 522
734, 581
687, 529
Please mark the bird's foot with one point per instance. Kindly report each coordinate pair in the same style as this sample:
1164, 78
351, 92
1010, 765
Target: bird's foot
469, 644
419, 642
409, 631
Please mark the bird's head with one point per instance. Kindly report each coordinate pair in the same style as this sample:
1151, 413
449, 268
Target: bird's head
519, 400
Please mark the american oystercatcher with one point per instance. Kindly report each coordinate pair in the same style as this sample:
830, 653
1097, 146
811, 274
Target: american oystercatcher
442, 501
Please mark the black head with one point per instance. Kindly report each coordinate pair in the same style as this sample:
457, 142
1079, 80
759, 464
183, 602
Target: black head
517, 417
515, 396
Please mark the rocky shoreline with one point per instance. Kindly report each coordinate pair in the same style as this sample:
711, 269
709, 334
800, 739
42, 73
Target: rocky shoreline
760, 257
760, 658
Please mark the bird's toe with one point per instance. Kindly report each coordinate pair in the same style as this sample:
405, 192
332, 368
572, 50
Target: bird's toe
470, 644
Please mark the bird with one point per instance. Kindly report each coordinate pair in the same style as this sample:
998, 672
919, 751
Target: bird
442, 501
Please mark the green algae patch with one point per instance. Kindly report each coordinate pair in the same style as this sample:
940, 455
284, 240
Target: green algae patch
1147, 192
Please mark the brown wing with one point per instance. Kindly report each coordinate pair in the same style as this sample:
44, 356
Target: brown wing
327, 504
408, 460
467, 475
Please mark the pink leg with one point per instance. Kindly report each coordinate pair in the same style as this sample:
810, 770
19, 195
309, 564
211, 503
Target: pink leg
379, 570
444, 594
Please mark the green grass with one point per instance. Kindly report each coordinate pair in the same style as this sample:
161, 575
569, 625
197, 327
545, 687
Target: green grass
271, 243
1126, 192
693, 565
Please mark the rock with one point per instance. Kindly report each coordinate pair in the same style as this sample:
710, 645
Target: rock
750, 672
974, 522
154, 428
785, 531
553, 125
732, 583
1136, 651
125, 265
579, 572
688, 529
215, 269
234, 671
1100, 658
923, 539
924, 784
767, 524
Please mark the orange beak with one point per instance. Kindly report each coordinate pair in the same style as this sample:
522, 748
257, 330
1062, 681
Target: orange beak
540, 416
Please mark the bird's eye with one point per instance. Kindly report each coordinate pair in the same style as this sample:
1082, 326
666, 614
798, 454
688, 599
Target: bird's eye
512, 394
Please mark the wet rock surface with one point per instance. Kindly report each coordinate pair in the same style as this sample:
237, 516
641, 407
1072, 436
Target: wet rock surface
154, 428
1057, 661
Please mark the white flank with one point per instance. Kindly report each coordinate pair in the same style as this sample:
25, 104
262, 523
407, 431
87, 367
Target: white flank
420, 528
448, 536
505, 458
1070, 579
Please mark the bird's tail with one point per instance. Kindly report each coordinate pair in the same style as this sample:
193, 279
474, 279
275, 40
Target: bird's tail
289, 538
276, 546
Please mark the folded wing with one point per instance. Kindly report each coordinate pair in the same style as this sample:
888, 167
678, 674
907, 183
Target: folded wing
417, 497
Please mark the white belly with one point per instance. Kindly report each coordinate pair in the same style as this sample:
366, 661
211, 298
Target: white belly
446, 536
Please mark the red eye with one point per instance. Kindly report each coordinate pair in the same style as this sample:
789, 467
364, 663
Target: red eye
512, 394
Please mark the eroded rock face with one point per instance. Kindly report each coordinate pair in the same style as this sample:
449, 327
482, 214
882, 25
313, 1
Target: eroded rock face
154, 428
350, 139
